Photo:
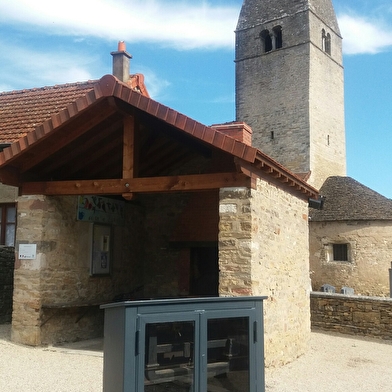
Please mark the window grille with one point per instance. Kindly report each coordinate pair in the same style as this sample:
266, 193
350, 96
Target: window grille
340, 252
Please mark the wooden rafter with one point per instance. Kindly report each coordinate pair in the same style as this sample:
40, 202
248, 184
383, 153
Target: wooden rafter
66, 137
101, 142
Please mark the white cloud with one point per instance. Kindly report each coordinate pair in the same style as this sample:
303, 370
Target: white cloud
35, 68
55, 66
364, 36
5, 87
157, 87
182, 24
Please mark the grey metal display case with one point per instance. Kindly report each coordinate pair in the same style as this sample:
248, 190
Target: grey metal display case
188, 344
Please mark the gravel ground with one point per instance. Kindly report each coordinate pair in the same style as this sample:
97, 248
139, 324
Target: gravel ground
334, 363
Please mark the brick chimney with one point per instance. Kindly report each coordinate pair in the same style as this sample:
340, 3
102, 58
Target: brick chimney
121, 62
237, 130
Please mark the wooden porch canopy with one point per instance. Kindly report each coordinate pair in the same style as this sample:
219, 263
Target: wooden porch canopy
115, 141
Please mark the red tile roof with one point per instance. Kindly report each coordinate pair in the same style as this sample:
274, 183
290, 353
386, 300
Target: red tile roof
27, 116
22, 111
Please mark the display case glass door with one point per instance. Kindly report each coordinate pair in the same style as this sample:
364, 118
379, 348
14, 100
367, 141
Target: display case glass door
228, 354
169, 361
209, 351
227, 345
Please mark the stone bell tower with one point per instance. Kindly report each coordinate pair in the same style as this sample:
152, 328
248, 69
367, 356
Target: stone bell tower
289, 84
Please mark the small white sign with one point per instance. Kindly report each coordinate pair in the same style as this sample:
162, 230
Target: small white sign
27, 251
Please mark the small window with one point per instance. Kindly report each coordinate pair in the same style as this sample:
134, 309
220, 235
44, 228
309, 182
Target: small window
278, 37
340, 252
266, 41
7, 224
326, 42
271, 41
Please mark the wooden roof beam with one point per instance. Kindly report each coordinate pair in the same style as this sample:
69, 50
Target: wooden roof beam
10, 177
182, 183
130, 152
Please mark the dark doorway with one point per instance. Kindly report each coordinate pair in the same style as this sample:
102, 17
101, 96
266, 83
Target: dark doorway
7, 264
204, 279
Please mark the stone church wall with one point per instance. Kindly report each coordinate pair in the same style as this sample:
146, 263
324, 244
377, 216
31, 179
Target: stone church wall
263, 244
369, 248
263, 83
326, 107
293, 96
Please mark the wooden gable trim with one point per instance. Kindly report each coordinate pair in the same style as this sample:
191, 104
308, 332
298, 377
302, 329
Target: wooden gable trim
110, 86
272, 172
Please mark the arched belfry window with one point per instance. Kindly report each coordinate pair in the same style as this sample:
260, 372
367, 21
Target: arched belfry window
271, 40
326, 42
277, 37
266, 41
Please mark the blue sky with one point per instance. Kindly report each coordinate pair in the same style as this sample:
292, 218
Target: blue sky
185, 49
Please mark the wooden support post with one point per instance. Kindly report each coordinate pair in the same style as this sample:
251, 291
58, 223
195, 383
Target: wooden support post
130, 152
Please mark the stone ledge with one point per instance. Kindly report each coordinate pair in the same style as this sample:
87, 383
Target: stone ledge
322, 294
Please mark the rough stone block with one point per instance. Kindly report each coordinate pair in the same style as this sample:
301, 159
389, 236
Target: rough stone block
347, 291
327, 288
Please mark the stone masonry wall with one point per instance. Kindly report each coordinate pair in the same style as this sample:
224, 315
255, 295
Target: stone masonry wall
60, 274
263, 250
7, 261
142, 259
263, 83
293, 97
8, 194
326, 108
354, 315
369, 246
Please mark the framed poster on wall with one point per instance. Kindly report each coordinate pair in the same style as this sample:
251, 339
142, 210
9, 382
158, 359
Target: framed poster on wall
101, 249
